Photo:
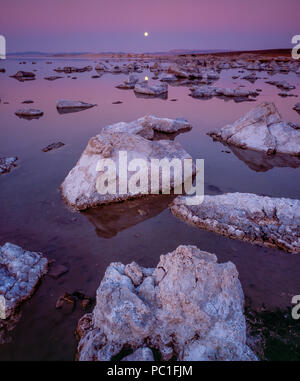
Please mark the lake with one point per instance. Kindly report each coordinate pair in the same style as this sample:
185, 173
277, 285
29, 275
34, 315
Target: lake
34, 216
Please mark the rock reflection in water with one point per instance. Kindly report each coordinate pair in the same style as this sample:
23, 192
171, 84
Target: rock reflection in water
261, 162
111, 219
70, 110
146, 96
7, 326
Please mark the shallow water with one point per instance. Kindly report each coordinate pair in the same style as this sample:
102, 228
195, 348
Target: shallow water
34, 216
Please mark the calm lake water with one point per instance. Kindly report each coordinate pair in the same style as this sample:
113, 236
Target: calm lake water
33, 215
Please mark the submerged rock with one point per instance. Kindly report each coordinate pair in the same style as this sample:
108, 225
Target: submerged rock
261, 129
273, 222
53, 77
152, 90
188, 308
52, 146
79, 187
57, 270
7, 163
20, 272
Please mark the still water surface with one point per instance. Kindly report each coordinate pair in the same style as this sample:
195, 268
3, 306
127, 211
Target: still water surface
33, 215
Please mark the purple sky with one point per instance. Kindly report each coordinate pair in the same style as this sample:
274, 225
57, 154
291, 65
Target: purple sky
119, 25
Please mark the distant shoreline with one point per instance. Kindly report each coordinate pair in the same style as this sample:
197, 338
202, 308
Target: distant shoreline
174, 53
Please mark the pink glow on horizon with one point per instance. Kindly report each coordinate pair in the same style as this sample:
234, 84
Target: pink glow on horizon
95, 25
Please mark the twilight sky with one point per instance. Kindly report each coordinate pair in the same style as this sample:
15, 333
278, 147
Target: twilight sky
119, 25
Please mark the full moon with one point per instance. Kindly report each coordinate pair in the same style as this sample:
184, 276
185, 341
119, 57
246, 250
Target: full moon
146, 34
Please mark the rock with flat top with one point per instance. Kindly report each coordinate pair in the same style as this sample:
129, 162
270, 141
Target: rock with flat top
261, 129
152, 90
29, 113
189, 308
67, 104
207, 92
297, 107
272, 222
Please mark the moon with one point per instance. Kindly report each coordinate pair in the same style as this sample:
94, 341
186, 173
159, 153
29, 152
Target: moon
146, 34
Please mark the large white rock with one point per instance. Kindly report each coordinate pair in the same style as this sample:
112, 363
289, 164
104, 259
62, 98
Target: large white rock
20, 272
79, 187
262, 129
273, 222
152, 90
188, 308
